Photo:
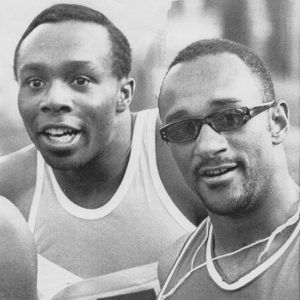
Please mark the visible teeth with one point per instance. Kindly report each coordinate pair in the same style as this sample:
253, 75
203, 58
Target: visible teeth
61, 135
62, 139
215, 172
59, 132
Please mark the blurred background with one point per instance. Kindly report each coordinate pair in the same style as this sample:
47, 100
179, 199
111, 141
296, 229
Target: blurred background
157, 30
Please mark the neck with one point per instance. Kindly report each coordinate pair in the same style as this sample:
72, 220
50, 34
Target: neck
97, 181
275, 208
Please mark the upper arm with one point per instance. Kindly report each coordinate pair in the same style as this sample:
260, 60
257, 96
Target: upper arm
17, 177
168, 259
18, 258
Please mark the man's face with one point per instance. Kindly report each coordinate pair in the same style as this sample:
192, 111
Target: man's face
229, 170
67, 94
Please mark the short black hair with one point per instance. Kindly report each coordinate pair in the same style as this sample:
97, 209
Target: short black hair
120, 48
218, 46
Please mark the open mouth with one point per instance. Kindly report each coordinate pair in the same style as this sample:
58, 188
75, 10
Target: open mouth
61, 135
217, 171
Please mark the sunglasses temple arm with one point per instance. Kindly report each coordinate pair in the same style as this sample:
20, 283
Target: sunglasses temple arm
256, 110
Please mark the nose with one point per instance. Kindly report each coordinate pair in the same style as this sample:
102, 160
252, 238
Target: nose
210, 142
57, 99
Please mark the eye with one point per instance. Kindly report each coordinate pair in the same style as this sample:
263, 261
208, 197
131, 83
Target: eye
81, 81
228, 120
35, 83
182, 131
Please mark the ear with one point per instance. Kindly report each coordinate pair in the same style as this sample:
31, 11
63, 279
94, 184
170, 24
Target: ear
126, 93
279, 123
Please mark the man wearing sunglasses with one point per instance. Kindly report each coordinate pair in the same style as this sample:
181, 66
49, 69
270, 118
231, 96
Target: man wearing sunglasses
225, 130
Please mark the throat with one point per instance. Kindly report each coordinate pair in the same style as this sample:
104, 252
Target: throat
89, 192
91, 197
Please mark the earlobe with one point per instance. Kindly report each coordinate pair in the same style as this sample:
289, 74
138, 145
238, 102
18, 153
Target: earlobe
126, 93
279, 122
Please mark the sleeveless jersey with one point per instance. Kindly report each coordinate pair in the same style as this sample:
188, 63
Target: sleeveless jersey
195, 275
103, 252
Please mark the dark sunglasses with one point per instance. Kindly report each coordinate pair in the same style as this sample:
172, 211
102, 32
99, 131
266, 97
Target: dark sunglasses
223, 120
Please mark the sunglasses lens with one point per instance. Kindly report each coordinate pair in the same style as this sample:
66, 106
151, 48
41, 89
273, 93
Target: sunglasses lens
182, 131
188, 130
228, 120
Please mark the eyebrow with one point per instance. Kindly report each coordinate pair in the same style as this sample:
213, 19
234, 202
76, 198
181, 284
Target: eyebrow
179, 114
67, 67
221, 102
78, 65
32, 67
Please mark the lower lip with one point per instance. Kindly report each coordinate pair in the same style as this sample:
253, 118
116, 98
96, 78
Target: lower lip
221, 179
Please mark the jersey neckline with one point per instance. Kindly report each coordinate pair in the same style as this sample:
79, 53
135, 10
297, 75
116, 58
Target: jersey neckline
254, 273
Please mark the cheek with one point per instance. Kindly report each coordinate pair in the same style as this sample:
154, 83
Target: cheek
183, 157
27, 108
255, 150
101, 118
264, 154
21, 103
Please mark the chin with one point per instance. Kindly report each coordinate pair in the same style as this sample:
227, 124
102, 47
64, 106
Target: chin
234, 206
63, 162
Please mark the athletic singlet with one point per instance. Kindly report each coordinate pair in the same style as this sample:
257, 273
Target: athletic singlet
113, 249
195, 275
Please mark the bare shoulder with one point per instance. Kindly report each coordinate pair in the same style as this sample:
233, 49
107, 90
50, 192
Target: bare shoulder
18, 174
17, 255
168, 258
181, 194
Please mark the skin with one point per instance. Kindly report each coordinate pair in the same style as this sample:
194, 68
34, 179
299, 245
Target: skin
251, 183
65, 82
17, 255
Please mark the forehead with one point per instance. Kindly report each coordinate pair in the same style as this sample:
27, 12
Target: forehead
207, 82
55, 43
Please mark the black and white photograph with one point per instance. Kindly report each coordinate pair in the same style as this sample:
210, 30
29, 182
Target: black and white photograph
149, 149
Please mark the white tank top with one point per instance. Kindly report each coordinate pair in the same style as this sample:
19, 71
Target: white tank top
112, 248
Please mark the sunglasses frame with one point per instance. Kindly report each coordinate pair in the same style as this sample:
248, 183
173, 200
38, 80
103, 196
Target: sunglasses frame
247, 113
